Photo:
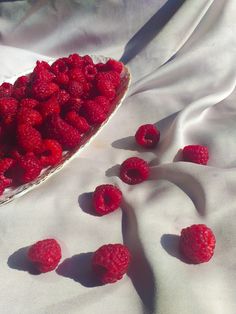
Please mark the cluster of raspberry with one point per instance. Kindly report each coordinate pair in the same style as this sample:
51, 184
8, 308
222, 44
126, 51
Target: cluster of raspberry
49, 111
111, 261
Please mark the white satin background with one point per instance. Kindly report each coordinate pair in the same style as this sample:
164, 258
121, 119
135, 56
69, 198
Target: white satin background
182, 58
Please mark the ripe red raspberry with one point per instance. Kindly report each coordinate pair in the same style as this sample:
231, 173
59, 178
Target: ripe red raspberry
106, 198
134, 170
103, 102
147, 136
74, 103
42, 75
41, 66
21, 81
90, 72
106, 88
56, 128
49, 107
75, 61
111, 76
42, 90
29, 103
8, 109
20, 92
5, 165
29, 116
45, 254
59, 66
4, 183
28, 168
6, 90
115, 65
78, 122
197, 243
62, 79
77, 74
110, 262
29, 138
50, 153
93, 113
62, 97
75, 88
196, 153
87, 60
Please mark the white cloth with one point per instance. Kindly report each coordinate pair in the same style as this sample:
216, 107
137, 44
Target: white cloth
182, 57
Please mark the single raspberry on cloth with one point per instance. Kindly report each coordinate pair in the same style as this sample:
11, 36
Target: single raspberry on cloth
106, 198
197, 243
196, 153
134, 170
110, 262
147, 136
45, 254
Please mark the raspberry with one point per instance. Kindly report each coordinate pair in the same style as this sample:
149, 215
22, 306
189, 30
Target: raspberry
29, 138
28, 168
59, 66
103, 102
77, 74
197, 243
115, 65
106, 199
75, 104
75, 89
134, 170
147, 136
4, 183
196, 153
65, 134
62, 79
51, 153
110, 262
45, 254
20, 92
62, 97
80, 123
74, 60
87, 60
29, 103
49, 107
101, 67
8, 109
29, 116
21, 81
6, 90
106, 88
111, 76
41, 66
5, 164
42, 90
93, 112
90, 71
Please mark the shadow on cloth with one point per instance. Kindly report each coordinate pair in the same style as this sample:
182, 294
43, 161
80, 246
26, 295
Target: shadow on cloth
146, 34
170, 243
86, 204
18, 260
78, 268
140, 271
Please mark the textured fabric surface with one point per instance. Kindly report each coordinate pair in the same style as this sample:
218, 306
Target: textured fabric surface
182, 57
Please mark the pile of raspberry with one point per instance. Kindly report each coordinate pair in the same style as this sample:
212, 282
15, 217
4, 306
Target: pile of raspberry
49, 111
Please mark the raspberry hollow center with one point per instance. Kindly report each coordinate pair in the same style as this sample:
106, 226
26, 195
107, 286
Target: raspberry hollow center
133, 173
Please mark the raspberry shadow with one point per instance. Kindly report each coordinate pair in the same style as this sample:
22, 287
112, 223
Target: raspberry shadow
19, 261
78, 267
85, 203
170, 243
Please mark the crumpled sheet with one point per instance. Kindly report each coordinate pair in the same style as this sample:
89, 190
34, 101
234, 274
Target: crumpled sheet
182, 57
